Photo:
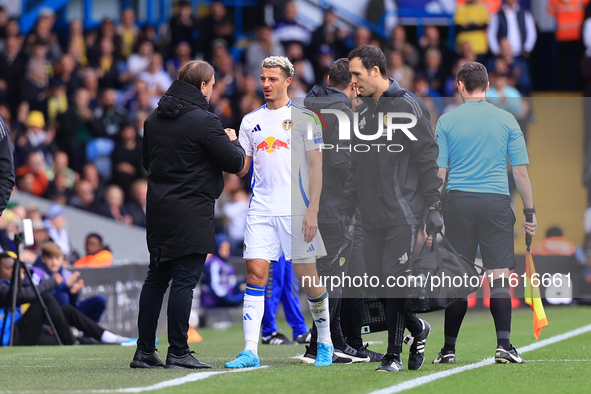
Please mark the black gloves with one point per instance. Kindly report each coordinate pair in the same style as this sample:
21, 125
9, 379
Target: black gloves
434, 222
344, 223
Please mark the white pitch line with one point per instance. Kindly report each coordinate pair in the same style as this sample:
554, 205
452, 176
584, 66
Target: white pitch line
410, 384
177, 382
193, 377
557, 361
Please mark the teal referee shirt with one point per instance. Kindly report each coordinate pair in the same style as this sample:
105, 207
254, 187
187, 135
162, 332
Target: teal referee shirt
474, 142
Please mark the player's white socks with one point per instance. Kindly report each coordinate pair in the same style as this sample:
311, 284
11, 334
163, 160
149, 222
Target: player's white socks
319, 309
253, 310
109, 337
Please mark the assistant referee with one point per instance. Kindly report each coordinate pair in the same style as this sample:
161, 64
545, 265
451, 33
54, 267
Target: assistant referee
474, 142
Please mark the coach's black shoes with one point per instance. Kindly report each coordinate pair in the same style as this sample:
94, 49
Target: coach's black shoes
417, 347
186, 361
390, 363
503, 356
146, 360
357, 356
277, 338
310, 357
445, 357
374, 357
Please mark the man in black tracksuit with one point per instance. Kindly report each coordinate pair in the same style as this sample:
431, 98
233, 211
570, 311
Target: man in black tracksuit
185, 151
393, 182
344, 254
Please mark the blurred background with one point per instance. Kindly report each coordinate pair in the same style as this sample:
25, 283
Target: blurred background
78, 78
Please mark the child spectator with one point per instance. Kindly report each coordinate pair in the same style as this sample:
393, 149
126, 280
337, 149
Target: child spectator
98, 255
51, 262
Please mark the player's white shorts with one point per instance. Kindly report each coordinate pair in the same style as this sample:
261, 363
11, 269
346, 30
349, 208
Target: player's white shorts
267, 236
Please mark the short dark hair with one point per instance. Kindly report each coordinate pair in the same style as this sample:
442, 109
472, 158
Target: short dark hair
7, 255
196, 72
95, 235
474, 76
554, 232
370, 57
339, 74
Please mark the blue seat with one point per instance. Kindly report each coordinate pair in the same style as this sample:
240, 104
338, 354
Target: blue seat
98, 152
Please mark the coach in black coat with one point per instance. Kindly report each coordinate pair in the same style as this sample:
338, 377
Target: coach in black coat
185, 150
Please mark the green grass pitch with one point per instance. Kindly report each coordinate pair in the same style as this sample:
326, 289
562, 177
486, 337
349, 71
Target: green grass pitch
563, 367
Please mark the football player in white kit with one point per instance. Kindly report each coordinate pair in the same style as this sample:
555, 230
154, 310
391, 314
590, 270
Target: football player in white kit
282, 215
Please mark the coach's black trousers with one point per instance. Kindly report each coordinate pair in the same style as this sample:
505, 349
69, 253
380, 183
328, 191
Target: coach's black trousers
387, 253
333, 264
185, 272
352, 303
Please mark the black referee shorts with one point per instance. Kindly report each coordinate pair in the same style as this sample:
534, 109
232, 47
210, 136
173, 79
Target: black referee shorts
481, 219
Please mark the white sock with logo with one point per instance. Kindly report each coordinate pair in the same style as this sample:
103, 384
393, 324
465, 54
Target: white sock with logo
253, 310
319, 310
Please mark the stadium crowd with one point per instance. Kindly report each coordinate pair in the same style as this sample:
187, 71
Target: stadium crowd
75, 101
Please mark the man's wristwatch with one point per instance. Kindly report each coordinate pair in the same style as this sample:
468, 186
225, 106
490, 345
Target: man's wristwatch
529, 211
436, 206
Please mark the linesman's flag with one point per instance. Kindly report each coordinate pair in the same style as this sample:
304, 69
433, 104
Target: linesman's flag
532, 293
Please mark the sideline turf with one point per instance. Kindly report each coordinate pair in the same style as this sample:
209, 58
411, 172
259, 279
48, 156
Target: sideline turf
85, 368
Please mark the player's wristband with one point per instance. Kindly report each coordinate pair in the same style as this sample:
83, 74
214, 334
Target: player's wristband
529, 211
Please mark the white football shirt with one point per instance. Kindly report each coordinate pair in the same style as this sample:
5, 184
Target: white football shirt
277, 140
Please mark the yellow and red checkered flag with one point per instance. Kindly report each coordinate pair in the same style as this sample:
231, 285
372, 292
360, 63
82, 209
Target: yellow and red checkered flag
532, 293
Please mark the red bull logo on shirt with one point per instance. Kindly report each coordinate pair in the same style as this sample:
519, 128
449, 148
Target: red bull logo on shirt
270, 144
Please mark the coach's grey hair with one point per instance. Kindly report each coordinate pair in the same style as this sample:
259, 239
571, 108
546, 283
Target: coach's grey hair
279, 61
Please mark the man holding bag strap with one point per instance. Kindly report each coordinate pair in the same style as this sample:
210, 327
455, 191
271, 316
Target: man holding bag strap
474, 141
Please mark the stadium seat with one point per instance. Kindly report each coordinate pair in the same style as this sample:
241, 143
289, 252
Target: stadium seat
98, 152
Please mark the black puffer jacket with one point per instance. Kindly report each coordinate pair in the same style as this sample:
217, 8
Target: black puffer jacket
6, 166
185, 150
335, 162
